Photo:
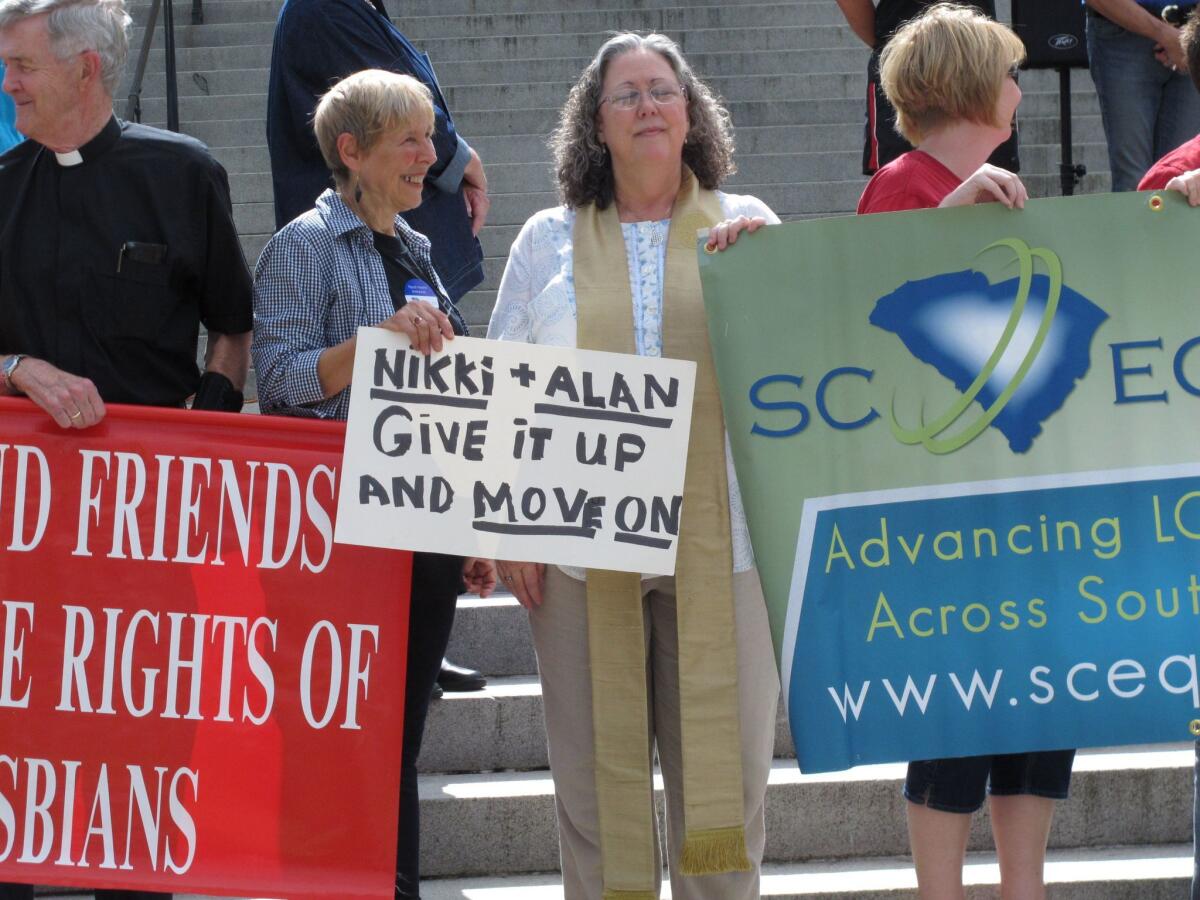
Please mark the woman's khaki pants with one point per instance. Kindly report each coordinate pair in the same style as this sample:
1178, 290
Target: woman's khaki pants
560, 636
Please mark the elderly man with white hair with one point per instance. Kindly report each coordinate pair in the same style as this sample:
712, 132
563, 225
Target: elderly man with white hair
116, 241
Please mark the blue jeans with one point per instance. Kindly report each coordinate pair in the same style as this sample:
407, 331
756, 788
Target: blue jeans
1147, 109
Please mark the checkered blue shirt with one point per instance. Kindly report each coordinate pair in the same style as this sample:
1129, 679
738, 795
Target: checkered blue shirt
318, 279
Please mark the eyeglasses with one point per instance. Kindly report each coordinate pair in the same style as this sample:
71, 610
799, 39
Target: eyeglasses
1015, 74
661, 94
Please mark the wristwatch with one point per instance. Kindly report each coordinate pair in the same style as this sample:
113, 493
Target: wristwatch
6, 370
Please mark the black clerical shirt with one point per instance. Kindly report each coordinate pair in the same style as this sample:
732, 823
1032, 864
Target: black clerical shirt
112, 256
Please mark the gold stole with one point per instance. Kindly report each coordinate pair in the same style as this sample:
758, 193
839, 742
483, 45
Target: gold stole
715, 839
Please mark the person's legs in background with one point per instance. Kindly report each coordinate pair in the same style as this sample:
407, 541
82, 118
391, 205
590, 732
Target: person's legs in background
1129, 84
1021, 827
942, 795
1024, 788
1178, 115
435, 585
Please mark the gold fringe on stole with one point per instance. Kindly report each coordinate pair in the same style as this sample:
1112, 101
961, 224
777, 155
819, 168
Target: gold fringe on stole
714, 839
713, 852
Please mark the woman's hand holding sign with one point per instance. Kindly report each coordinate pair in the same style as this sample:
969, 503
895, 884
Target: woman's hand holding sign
424, 324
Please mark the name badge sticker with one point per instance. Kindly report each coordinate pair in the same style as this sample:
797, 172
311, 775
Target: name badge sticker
416, 290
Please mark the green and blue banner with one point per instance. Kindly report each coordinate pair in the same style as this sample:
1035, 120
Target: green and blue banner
968, 444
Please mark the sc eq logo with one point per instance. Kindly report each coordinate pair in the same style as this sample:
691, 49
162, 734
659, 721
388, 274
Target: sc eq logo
931, 434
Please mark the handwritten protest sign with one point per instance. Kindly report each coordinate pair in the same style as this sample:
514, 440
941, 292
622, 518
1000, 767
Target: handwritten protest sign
515, 451
199, 690
970, 470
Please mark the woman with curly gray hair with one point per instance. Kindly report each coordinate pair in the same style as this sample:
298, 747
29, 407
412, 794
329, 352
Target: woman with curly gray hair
631, 664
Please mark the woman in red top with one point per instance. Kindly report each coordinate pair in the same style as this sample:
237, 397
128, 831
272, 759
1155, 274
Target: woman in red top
951, 74
953, 81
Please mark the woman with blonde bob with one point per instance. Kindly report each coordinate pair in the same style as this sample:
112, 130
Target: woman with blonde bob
952, 76
951, 73
352, 261
631, 664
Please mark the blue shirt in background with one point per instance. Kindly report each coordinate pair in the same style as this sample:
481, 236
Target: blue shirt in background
9, 136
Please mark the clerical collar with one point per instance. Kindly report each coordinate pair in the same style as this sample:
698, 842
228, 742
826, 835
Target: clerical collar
94, 148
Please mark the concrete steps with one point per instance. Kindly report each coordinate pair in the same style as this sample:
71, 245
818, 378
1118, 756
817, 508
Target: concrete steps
1119, 873
828, 95
218, 130
1116, 873
507, 819
564, 69
427, 30
1039, 136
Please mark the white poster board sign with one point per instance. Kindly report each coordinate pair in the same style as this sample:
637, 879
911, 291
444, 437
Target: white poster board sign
516, 451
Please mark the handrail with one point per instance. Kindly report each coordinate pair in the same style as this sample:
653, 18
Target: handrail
169, 49
133, 107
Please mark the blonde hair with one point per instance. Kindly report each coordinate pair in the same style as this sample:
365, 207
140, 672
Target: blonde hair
948, 63
365, 105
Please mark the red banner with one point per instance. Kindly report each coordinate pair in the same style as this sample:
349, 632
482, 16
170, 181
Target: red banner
199, 690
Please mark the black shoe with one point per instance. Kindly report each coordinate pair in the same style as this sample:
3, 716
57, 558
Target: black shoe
456, 678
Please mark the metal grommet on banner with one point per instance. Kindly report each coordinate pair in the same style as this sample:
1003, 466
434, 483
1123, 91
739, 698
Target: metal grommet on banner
1156, 203
709, 249
1195, 728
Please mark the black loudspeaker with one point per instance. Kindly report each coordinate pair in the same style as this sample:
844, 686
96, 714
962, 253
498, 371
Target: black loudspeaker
1052, 31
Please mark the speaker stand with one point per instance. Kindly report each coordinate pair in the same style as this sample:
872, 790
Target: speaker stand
1068, 171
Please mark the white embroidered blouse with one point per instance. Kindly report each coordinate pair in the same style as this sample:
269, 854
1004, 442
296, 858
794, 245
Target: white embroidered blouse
536, 304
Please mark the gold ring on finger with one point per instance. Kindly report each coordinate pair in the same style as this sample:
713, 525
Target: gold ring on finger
77, 414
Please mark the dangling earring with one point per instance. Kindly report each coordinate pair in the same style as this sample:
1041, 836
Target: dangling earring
357, 191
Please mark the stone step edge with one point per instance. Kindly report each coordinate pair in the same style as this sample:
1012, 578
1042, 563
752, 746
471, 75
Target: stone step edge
557, 83
1026, 120
597, 37
138, 30
440, 787
1109, 865
889, 875
801, 156
436, 19
254, 124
